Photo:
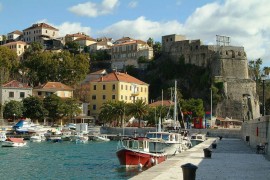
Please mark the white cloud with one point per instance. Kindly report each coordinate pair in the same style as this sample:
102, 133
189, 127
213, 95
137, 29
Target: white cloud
132, 4
94, 9
246, 22
141, 28
70, 28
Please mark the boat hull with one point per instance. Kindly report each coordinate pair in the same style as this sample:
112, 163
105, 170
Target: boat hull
12, 144
130, 158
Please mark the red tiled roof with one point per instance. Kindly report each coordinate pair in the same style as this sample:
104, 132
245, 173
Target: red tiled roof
121, 77
159, 103
41, 25
16, 84
54, 85
124, 39
131, 42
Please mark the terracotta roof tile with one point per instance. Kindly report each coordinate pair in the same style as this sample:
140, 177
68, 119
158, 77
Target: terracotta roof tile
54, 85
121, 77
77, 35
16, 32
15, 42
16, 84
85, 38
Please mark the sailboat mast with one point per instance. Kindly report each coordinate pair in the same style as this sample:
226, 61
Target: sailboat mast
175, 105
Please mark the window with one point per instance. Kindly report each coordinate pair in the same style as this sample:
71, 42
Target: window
94, 97
113, 96
39, 93
94, 107
11, 94
104, 97
122, 87
125, 97
48, 93
22, 94
95, 87
104, 86
113, 87
141, 89
121, 96
126, 87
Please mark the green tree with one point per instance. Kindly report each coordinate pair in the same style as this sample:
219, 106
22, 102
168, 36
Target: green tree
119, 110
150, 42
12, 109
157, 50
255, 69
72, 47
33, 108
193, 105
70, 107
107, 112
138, 109
54, 105
8, 63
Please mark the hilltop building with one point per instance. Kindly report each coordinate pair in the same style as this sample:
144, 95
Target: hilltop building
14, 36
228, 65
127, 51
18, 46
116, 86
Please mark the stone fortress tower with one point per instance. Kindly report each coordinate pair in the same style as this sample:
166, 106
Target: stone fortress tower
228, 65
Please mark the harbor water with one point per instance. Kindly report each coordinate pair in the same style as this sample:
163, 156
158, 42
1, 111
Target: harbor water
64, 160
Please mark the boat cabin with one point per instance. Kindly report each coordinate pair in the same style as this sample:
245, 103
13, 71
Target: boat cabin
139, 143
165, 136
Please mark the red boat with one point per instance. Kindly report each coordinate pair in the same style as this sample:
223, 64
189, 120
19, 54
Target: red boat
134, 152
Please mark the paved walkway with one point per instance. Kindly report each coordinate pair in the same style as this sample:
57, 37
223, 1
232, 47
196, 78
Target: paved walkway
233, 159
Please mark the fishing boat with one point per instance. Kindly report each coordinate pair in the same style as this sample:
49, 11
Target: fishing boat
134, 152
13, 142
101, 138
197, 138
79, 138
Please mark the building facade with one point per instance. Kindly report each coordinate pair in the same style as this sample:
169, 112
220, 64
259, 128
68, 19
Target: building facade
14, 36
38, 31
14, 90
116, 86
49, 88
18, 46
127, 51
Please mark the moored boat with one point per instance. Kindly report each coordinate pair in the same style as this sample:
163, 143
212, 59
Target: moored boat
134, 152
197, 138
13, 142
3, 136
38, 137
100, 138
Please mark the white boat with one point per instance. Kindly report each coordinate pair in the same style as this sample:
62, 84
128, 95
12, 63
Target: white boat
79, 138
37, 137
101, 137
197, 138
13, 142
3, 136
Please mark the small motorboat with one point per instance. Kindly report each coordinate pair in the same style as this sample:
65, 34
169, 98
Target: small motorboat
101, 138
3, 136
13, 142
37, 137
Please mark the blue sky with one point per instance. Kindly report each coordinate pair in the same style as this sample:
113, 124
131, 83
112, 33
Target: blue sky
245, 21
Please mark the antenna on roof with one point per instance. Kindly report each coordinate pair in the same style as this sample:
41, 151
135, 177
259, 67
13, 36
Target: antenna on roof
223, 40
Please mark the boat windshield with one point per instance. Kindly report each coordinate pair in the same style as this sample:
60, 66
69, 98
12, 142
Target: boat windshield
193, 137
153, 135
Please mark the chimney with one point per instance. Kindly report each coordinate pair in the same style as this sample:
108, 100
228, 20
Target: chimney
101, 78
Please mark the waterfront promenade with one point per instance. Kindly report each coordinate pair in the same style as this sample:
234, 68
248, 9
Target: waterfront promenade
233, 159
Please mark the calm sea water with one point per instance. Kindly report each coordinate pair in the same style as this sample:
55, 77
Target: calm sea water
66, 160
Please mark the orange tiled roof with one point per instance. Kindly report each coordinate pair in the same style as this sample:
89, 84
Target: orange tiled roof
41, 25
159, 103
16, 84
121, 77
54, 85
99, 71
131, 42
124, 39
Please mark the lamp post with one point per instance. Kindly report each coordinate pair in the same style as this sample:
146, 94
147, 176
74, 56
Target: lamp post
14, 117
263, 81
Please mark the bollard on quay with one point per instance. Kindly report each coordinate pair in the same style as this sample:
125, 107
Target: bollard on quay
189, 171
214, 145
207, 152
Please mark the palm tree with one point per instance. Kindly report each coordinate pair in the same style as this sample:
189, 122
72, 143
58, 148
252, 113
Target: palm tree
107, 112
119, 110
138, 109
266, 70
